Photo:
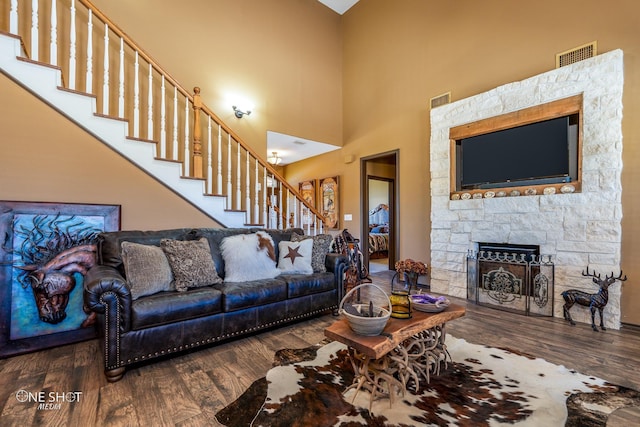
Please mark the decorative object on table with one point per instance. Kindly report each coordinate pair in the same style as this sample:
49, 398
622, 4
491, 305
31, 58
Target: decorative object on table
330, 202
400, 304
368, 318
411, 270
308, 390
429, 303
400, 297
46, 250
594, 301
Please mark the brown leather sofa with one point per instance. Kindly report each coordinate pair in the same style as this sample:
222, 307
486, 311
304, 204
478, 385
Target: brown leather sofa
137, 330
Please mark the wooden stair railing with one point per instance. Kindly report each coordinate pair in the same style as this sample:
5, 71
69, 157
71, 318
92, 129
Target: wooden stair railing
227, 164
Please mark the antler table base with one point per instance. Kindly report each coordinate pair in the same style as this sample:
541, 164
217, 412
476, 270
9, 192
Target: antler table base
418, 357
407, 351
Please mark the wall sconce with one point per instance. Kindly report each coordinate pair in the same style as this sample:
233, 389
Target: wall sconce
274, 159
240, 113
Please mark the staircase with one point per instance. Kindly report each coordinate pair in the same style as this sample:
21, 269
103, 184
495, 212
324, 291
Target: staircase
142, 113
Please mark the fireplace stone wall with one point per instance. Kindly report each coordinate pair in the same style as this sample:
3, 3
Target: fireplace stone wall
577, 229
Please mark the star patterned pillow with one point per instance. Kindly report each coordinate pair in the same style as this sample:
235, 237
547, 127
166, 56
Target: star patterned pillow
295, 257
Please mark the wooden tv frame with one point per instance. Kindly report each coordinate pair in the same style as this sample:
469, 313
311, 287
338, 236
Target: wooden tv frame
538, 113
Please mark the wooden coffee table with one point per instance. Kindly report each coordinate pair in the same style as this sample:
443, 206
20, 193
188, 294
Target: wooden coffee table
406, 350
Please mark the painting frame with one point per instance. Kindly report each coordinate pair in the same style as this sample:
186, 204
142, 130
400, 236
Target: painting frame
308, 190
47, 232
329, 201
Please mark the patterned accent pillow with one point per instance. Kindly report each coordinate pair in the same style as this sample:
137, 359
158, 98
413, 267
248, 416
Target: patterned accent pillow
147, 269
321, 246
295, 257
249, 257
191, 263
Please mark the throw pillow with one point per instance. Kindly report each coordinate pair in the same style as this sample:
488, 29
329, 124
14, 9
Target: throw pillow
321, 247
295, 257
191, 263
249, 257
147, 269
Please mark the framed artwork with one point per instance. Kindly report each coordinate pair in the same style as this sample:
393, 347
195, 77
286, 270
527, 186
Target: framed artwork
330, 202
307, 190
45, 251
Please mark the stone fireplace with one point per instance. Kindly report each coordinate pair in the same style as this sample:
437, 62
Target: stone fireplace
575, 228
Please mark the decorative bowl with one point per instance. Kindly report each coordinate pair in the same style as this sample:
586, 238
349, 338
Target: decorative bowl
428, 303
367, 326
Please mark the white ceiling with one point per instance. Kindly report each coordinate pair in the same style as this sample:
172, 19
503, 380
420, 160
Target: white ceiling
340, 6
291, 148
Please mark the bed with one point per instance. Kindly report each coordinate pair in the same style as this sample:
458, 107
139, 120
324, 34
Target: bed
379, 232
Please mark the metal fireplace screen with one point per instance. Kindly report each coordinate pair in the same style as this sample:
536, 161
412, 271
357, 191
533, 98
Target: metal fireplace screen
517, 281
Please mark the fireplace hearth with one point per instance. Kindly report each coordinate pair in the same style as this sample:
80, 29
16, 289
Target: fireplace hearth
511, 277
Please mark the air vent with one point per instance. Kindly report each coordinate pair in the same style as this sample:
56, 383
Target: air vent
576, 54
441, 100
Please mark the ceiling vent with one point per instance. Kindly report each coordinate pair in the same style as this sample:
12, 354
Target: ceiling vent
576, 54
440, 100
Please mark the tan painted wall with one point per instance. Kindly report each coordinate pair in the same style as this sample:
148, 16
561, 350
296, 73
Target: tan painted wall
397, 57
46, 158
364, 81
285, 56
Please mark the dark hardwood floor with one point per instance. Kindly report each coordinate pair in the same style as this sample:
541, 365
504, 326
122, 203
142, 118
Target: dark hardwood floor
188, 390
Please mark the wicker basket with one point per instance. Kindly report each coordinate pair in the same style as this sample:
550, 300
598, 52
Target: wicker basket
367, 326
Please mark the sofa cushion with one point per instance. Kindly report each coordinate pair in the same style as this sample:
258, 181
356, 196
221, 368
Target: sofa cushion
301, 284
191, 263
321, 247
239, 295
147, 269
295, 257
171, 307
249, 257
109, 243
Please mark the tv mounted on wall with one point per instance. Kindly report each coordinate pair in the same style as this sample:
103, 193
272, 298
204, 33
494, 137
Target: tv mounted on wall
544, 152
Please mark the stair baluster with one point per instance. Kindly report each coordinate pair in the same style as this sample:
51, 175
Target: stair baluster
197, 134
282, 206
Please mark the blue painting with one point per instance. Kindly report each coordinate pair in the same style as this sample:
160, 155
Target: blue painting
47, 250
51, 256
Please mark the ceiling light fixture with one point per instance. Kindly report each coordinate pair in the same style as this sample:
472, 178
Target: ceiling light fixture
239, 113
274, 159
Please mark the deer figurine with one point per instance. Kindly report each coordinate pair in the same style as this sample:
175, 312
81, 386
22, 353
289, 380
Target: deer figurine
593, 301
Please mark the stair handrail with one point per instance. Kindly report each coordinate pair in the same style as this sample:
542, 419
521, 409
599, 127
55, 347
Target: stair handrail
189, 97
187, 94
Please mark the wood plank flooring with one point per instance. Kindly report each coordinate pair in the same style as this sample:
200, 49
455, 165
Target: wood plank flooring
189, 389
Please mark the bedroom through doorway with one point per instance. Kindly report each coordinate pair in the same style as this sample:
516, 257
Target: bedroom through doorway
379, 235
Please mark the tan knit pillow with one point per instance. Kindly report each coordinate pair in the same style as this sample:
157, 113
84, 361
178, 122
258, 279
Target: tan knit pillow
147, 269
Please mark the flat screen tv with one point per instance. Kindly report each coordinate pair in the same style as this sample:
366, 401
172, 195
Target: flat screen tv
544, 152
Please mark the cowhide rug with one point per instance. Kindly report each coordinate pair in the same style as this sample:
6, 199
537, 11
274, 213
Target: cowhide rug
483, 386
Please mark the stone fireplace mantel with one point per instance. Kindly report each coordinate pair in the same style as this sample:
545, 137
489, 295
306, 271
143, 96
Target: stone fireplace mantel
577, 229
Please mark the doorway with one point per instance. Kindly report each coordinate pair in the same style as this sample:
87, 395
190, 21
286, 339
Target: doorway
379, 204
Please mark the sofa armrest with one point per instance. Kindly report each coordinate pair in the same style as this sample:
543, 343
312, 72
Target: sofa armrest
338, 265
333, 262
107, 293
